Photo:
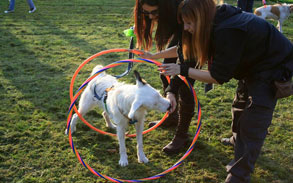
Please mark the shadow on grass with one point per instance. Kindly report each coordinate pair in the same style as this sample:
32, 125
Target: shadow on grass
103, 153
38, 83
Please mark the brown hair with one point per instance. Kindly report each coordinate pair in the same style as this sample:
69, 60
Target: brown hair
167, 25
201, 13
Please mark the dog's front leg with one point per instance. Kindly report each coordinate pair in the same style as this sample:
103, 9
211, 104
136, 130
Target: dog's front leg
134, 107
122, 148
140, 154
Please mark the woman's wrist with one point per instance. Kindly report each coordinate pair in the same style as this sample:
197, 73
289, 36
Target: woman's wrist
184, 69
170, 93
156, 55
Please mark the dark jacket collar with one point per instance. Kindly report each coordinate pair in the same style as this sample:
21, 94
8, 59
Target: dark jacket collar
228, 16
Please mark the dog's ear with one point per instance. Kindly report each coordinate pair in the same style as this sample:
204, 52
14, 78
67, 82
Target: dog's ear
139, 80
135, 105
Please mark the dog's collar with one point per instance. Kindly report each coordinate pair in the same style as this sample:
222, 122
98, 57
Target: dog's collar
104, 93
105, 96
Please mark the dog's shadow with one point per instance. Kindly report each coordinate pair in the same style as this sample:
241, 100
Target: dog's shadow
101, 152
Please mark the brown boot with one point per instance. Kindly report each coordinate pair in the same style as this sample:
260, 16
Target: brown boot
186, 112
175, 145
170, 121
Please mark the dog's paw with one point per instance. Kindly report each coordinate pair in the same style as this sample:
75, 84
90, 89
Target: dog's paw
123, 162
112, 126
73, 129
66, 133
143, 159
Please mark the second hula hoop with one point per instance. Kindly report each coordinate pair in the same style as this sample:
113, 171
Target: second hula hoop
73, 107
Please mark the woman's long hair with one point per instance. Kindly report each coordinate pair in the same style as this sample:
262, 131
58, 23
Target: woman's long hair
201, 13
167, 24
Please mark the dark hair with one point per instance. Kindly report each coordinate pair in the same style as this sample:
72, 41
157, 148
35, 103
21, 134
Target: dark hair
201, 13
167, 24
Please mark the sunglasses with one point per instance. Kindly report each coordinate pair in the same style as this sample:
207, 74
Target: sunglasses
154, 12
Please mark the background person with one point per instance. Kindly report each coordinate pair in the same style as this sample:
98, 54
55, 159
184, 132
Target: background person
162, 14
12, 5
245, 5
241, 46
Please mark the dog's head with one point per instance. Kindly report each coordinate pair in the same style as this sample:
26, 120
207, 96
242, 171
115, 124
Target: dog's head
148, 97
291, 8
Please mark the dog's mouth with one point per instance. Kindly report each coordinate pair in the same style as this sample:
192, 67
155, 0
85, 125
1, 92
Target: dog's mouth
169, 107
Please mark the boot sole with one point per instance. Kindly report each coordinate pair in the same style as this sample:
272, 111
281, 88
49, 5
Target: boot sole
176, 151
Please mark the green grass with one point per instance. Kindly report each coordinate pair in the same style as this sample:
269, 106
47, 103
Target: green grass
39, 54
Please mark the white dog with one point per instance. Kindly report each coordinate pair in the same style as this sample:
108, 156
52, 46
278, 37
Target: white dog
123, 103
278, 12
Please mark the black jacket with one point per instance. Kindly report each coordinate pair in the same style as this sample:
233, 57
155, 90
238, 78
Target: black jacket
244, 45
176, 82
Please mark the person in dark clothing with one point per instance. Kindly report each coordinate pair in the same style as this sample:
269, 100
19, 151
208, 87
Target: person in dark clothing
245, 5
162, 14
242, 46
240, 97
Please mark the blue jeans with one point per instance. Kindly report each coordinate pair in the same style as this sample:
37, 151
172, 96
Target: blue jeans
253, 108
12, 4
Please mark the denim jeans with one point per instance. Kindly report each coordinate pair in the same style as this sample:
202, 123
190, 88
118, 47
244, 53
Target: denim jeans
12, 4
252, 110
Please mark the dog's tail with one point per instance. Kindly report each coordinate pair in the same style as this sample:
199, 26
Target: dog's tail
96, 69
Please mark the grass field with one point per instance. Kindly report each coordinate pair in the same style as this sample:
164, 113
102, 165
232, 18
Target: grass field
39, 53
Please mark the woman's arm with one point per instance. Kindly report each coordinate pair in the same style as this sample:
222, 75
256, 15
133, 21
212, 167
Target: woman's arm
201, 75
175, 69
168, 53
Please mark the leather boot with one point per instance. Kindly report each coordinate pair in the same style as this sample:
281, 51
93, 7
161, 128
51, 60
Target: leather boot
170, 121
186, 112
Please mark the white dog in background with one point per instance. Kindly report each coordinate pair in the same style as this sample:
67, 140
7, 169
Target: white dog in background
278, 12
121, 103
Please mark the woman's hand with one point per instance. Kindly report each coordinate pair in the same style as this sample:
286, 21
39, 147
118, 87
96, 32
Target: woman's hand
168, 53
173, 102
145, 54
169, 69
